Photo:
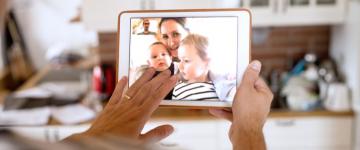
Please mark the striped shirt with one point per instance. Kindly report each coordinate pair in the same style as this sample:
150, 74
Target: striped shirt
195, 91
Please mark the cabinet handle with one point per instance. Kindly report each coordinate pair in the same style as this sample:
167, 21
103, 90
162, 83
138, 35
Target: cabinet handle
47, 135
169, 144
275, 8
152, 4
285, 123
143, 4
56, 135
286, 3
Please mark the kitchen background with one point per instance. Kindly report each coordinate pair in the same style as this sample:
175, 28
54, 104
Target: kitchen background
310, 51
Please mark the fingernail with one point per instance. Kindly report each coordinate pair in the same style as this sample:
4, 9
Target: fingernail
256, 65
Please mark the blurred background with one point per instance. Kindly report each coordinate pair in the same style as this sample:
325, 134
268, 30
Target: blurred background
58, 58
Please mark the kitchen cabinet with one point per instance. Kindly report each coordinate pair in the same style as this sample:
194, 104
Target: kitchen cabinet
264, 12
181, 4
49, 133
194, 4
296, 12
320, 133
102, 15
273, 12
190, 134
283, 131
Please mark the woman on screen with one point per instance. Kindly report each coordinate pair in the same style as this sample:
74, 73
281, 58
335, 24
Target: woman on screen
172, 31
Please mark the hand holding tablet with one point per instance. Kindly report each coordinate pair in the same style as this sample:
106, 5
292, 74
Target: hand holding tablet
208, 49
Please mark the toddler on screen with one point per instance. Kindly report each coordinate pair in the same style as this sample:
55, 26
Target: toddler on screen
194, 70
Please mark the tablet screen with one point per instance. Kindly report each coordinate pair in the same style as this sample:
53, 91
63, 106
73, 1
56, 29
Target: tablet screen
201, 50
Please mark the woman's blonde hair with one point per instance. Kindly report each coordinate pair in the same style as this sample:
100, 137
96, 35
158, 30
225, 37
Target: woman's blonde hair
199, 42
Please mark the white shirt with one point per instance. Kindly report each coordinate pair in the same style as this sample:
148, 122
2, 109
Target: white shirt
195, 91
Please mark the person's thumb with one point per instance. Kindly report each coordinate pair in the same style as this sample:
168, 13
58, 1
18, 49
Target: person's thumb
251, 75
157, 134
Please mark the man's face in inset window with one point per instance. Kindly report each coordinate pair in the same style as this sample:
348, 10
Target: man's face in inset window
146, 24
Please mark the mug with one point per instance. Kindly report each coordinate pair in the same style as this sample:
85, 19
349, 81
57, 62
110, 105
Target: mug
338, 97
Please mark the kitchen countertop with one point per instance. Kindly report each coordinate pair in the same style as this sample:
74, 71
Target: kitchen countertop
183, 113
319, 112
188, 114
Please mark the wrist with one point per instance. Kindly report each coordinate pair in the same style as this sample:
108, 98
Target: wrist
245, 132
249, 125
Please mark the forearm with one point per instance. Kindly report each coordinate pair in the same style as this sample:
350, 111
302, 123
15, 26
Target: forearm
248, 139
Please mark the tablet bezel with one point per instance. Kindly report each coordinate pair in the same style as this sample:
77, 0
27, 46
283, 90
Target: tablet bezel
124, 35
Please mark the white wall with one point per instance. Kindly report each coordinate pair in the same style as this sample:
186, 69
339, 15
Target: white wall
345, 48
103, 15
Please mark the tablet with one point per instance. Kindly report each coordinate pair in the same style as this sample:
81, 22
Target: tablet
209, 49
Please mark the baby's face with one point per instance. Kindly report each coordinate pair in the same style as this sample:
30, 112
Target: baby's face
191, 66
159, 57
